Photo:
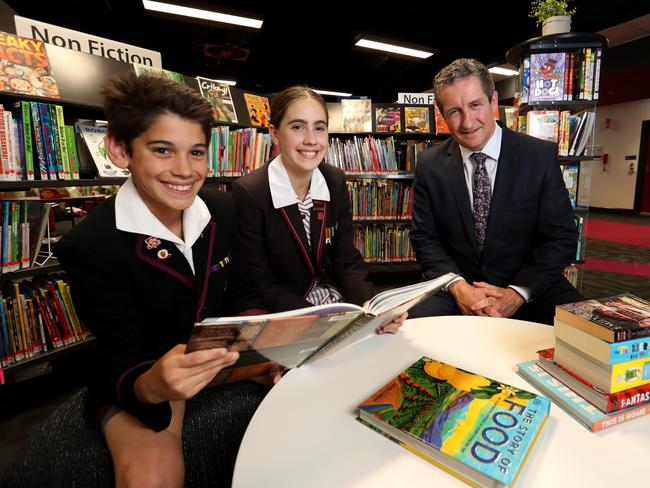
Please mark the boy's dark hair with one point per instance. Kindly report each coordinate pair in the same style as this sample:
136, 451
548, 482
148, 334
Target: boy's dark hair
132, 104
280, 102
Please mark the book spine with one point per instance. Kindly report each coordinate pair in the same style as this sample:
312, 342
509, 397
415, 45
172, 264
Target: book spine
27, 138
73, 155
48, 141
38, 139
4, 155
56, 141
616, 419
63, 143
597, 73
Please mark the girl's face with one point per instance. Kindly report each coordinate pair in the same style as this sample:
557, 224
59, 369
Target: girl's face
302, 136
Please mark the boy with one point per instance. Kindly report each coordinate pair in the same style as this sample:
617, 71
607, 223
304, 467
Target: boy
146, 265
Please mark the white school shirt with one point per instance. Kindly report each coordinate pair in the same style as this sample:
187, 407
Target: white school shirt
133, 215
283, 195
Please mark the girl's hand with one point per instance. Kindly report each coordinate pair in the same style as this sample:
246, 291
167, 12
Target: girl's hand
393, 326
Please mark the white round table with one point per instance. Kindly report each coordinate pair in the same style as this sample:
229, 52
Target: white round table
305, 432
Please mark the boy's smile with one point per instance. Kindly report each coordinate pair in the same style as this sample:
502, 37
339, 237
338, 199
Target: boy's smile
168, 164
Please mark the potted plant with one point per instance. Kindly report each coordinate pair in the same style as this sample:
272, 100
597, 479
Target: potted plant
554, 15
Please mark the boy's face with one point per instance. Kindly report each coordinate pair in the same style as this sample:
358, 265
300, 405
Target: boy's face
168, 164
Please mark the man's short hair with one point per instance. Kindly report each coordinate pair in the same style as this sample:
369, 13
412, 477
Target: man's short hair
132, 104
458, 70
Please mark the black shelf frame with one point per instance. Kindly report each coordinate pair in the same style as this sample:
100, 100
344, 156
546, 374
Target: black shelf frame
50, 354
52, 266
398, 175
382, 220
565, 40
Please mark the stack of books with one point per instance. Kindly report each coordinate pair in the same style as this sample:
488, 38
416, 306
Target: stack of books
599, 370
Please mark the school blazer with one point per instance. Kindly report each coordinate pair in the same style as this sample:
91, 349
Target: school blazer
531, 235
138, 296
276, 247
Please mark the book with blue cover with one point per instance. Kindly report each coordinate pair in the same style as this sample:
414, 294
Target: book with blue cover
575, 405
476, 428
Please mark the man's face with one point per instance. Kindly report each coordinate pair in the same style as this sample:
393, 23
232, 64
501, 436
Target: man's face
468, 112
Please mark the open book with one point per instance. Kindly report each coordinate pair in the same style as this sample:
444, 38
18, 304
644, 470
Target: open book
275, 342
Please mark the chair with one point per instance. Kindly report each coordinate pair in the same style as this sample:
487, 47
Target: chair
66, 450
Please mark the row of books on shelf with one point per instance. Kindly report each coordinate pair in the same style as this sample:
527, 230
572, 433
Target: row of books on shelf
37, 316
599, 369
237, 152
35, 143
380, 199
363, 155
383, 243
560, 76
362, 115
22, 226
571, 132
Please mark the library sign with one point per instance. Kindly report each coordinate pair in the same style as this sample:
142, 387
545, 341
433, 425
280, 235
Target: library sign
86, 43
415, 98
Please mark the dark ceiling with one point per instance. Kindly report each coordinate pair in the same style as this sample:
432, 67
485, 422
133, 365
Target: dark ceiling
312, 42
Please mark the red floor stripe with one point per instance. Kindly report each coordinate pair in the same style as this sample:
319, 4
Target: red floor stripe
639, 269
606, 230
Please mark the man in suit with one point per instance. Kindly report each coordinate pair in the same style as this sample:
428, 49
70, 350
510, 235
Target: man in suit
490, 204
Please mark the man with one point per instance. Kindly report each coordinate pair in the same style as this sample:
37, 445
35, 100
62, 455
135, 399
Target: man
490, 204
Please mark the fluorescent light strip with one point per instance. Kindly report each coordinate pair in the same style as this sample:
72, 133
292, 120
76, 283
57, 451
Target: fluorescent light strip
333, 93
391, 48
503, 71
198, 13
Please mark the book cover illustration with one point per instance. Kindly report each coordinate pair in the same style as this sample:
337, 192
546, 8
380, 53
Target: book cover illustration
259, 110
441, 125
543, 124
546, 77
480, 428
93, 137
388, 118
25, 67
218, 94
143, 69
416, 119
606, 402
616, 318
570, 176
573, 404
356, 115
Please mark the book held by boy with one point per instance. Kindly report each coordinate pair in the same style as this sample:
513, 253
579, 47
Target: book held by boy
275, 342
575, 405
476, 428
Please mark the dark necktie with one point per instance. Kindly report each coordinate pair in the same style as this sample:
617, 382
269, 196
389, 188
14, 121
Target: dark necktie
482, 194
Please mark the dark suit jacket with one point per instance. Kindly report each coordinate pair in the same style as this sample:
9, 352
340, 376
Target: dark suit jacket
531, 235
139, 306
276, 245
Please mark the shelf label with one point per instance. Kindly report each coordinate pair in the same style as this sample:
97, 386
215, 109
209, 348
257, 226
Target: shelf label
416, 98
86, 43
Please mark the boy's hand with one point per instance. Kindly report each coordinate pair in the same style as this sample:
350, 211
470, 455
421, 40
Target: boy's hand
180, 376
392, 327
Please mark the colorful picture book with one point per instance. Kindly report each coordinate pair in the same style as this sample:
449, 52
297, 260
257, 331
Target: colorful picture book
275, 342
388, 118
606, 402
25, 67
143, 69
259, 110
93, 138
416, 119
547, 73
610, 378
463, 422
356, 115
613, 319
570, 174
219, 96
543, 124
573, 404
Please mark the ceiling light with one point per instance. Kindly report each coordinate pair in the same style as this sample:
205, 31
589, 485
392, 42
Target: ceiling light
503, 71
198, 13
333, 93
392, 48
